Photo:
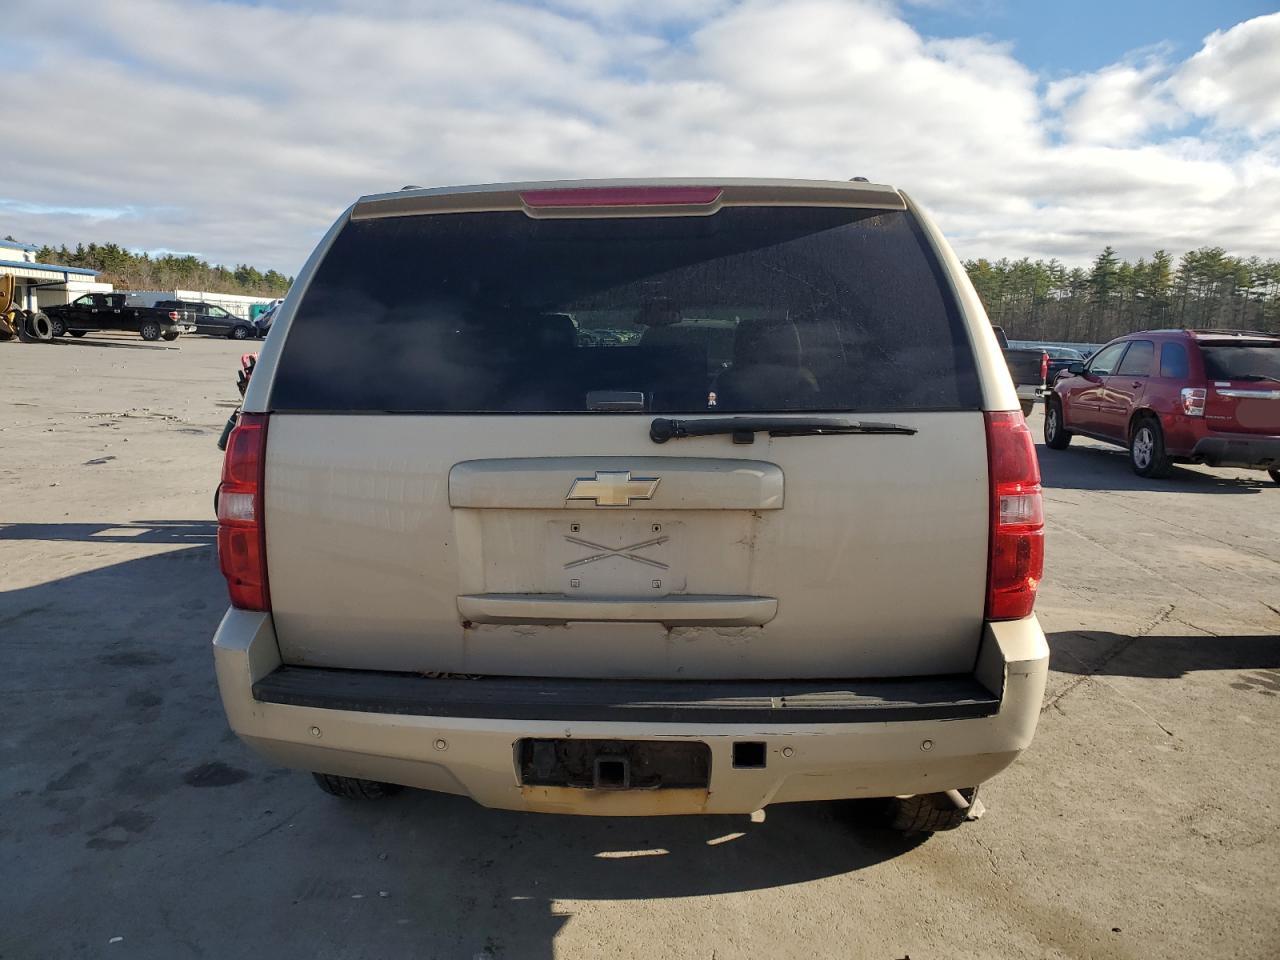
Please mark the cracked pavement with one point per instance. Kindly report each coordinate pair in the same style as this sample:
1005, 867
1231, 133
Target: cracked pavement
1142, 822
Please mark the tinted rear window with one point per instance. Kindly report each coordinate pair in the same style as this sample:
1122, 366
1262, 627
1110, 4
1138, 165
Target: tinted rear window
750, 310
1173, 360
1239, 361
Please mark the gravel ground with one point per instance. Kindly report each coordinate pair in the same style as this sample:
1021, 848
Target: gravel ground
1142, 822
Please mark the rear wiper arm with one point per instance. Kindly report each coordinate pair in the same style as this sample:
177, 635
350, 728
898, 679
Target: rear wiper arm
744, 429
1256, 377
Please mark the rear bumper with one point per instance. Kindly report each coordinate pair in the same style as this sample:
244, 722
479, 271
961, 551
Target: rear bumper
1238, 450
918, 740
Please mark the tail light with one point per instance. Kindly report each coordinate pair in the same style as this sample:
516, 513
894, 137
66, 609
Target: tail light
621, 197
1016, 561
242, 547
1193, 401
173, 314
1044, 367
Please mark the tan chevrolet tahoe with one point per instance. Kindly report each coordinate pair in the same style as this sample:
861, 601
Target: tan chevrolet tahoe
630, 498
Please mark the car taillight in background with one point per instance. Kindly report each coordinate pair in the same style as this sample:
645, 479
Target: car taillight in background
173, 314
1193, 399
242, 548
1016, 561
1044, 366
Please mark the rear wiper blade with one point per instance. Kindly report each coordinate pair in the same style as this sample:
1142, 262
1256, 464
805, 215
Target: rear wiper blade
1255, 377
744, 429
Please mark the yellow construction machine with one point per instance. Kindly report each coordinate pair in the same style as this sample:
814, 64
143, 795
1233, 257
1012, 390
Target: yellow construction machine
29, 326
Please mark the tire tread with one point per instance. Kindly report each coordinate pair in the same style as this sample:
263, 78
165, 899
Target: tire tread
927, 812
354, 788
1063, 437
1161, 464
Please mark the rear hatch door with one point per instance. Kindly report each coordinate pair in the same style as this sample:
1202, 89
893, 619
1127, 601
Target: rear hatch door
461, 476
1243, 377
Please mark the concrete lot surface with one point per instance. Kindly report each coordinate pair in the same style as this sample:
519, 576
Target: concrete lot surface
1142, 823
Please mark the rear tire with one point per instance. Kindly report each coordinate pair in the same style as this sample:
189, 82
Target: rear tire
1056, 435
77, 333
171, 335
1028, 406
59, 326
926, 812
240, 333
1274, 473
353, 788
1146, 449
150, 330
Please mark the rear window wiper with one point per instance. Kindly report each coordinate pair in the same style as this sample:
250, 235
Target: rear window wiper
744, 429
1254, 377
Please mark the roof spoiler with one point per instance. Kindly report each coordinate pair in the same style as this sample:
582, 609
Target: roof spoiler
635, 198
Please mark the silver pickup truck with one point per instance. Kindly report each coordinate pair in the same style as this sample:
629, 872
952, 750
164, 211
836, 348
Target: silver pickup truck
635, 497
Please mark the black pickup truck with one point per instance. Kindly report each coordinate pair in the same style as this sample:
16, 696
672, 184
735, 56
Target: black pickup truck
1029, 369
109, 311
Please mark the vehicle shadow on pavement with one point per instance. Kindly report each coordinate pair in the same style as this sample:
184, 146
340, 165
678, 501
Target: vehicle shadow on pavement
1163, 657
194, 532
1099, 468
112, 344
532, 867
120, 771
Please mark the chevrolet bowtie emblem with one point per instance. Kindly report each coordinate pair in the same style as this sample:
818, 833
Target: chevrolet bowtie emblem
613, 488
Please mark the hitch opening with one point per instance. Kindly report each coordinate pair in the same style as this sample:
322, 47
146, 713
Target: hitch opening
749, 755
612, 773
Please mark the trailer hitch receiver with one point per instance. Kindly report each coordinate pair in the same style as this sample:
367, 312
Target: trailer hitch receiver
612, 773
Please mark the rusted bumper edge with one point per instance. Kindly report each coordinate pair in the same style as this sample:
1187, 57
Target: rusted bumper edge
476, 757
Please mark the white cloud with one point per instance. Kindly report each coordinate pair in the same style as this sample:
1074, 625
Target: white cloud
1120, 104
1235, 77
240, 130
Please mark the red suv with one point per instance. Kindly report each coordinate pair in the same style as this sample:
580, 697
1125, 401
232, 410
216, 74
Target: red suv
1176, 396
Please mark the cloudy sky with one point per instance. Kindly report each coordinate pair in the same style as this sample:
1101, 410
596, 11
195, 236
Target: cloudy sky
238, 130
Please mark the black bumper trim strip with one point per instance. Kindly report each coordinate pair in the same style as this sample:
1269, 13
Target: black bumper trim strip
957, 697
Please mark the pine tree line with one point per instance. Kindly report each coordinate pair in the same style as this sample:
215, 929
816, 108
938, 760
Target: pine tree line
141, 271
1044, 300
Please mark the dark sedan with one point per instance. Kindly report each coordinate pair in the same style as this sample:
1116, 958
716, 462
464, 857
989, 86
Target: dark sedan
212, 319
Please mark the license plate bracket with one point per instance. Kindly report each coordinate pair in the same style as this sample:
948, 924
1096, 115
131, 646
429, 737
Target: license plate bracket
627, 556
614, 764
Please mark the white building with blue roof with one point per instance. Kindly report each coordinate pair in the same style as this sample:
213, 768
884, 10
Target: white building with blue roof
39, 285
